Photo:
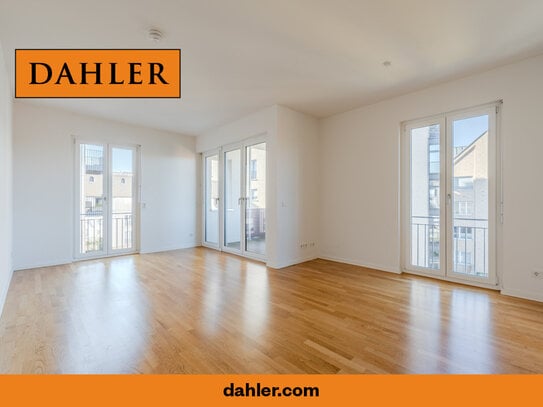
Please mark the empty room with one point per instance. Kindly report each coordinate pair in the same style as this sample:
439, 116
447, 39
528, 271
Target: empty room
340, 187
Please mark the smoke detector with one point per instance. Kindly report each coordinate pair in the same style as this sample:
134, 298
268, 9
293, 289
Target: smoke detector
154, 34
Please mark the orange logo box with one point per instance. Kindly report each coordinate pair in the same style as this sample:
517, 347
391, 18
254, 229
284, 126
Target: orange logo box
98, 73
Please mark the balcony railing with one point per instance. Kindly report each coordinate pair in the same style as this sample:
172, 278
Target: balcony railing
92, 232
121, 233
470, 244
255, 227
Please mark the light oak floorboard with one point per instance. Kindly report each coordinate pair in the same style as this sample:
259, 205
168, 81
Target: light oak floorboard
201, 311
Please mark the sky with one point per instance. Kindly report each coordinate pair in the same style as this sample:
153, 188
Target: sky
121, 160
465, 131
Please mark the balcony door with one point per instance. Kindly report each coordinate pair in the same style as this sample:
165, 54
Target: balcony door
235, 199
450, 196
211, 200
106, 191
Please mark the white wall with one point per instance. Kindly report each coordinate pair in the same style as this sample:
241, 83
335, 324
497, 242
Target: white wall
297, 196
44, 186
292, 181
5, 182
258, 123
361, 176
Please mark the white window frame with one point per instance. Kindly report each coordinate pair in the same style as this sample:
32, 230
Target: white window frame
242, 145
136, 180
495, 216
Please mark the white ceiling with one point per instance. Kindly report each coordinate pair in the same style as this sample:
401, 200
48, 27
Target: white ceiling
316, 56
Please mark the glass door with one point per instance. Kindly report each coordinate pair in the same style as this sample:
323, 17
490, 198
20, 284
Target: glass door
211, 200
106, 209
123, 186
450, 196
91, 203
255, 199
426, 232
243, 198
471, 196
233, 200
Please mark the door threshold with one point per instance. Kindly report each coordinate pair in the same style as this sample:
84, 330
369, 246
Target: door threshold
454, 280
78, 259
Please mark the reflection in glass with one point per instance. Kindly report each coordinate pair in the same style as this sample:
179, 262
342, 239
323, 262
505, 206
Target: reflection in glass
255, 208
470, 196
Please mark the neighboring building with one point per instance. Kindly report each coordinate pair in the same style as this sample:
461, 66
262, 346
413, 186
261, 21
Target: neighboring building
470, 199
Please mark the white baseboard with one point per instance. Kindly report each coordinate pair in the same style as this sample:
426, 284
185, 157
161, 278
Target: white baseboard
186, 245
59, 262
37, 265
293, 262
4, 294
358, 263
527, 295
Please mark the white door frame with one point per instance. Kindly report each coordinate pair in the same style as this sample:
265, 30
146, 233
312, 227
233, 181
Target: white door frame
406, 192
446, 182
205, 155
492, 194
136, 188
242, 146
226, 149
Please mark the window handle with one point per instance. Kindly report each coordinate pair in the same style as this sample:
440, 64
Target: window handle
449, 199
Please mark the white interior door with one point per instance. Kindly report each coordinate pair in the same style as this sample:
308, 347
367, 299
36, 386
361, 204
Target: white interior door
106, 199
450, 199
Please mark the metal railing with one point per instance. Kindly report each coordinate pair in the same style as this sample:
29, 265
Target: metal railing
470, 244
92, 232
255, 226
121, 232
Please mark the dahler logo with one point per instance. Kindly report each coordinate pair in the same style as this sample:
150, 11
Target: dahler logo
104, 73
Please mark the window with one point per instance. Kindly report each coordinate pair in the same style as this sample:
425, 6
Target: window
463, 208
433, 161
463, 182
254, 195
463, 232
449, 172
433, 194
463, 258
253, 169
